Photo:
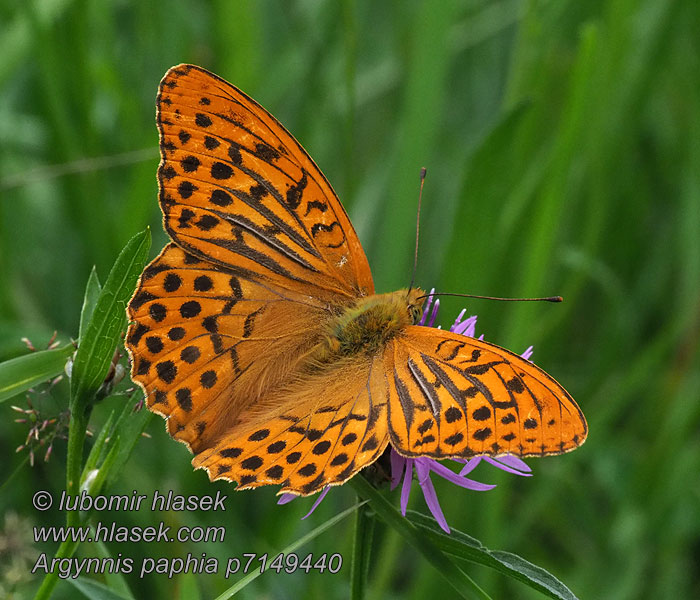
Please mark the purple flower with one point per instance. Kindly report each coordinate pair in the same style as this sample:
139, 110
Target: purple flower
403, 468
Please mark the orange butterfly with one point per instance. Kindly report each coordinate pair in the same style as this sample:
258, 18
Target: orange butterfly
257, 334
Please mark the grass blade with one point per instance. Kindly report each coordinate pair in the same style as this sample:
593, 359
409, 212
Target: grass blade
241, 583
19, 374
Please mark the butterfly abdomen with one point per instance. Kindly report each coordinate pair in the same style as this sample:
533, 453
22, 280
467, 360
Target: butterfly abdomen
367, 326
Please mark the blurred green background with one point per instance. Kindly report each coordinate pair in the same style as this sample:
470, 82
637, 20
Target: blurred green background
562, 142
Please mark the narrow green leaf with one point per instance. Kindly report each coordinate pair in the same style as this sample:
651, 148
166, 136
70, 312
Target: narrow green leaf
127, 430
99, 446
361, 551
534, 575
95, 591
17, 375
5, 484
92, 293
114, 445
244, 581
48, 583
187, 585
464, 585
96, 485
96, 351
463, 546
115, 581
107, 321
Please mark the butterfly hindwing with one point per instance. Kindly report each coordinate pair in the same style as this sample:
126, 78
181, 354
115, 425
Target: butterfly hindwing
309, 435
454, 396
237, 189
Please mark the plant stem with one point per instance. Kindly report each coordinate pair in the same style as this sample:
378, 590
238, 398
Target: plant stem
76, 439
65, 550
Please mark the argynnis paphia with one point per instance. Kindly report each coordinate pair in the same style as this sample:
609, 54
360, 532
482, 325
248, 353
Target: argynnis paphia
256, 332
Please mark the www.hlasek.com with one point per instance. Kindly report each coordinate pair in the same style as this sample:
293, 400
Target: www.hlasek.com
101, 531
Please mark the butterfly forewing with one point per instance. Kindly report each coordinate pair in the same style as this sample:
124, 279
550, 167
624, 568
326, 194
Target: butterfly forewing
196, 338
237, 189
454, 396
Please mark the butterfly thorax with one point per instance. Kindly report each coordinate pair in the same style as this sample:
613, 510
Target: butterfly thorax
366, 326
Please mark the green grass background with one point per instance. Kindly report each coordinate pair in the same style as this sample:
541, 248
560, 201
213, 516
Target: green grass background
562, 142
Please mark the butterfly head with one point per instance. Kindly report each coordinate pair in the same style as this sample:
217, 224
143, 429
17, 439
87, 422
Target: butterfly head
415, 299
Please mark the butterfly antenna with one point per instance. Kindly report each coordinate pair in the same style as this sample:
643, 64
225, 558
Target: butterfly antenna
546, 299
423, 173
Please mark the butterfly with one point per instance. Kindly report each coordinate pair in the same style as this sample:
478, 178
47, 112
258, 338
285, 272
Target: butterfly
257, 335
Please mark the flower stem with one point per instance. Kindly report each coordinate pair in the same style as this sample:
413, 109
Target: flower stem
74, 461
65, 550
361, 551
76, 439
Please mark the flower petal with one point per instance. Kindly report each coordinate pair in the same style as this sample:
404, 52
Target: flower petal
466, 327
286, 498
321, 496
406, 487
429, 494
510, 464
458, 320
469, 465
426, 307
453, 477
398, 463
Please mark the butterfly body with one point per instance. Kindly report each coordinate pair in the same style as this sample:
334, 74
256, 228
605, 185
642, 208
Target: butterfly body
367, 326
257, 334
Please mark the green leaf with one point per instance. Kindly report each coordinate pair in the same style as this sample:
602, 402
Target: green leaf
116, 441
94, 590
95, 353
463, 546
361, 551
5, 484
17, 375
187, 585
92, 293
116, 581
99, 447
127, 432
95, 486
464, 585
244, 581
108, 319
123, 432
